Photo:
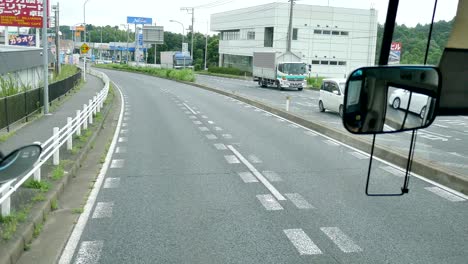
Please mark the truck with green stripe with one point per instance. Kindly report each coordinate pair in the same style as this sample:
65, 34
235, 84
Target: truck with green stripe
281, 70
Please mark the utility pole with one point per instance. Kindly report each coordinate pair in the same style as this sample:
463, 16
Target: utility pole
57, 39
191, 11
45, 56
290, 28
206, 44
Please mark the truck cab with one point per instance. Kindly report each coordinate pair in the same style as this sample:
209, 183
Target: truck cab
291, 75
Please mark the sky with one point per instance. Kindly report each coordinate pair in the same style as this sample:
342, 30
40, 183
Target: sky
113, 12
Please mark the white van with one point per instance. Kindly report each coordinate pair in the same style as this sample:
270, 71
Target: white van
332, 95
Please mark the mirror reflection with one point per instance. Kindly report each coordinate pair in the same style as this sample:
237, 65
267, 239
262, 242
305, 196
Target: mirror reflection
19, 162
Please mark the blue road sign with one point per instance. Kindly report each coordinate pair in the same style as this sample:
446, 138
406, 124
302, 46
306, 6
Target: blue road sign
140, 39
139, 20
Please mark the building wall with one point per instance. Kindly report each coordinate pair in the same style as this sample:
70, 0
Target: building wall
354, 48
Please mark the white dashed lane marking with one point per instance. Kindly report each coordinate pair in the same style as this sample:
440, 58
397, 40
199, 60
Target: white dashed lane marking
231, 159
117, 163
302, 242
89, 252
293, 126
120, 150
310, 133
123, 139
211, 136
203, 129
299, 201
247, 177
111, 183
227, 136
445, 194
218, 129
192, 117
123, 131
341, 239
204, 116
359, 155
331, 142
269, 202
197, 122
272, 176
103, 210
220, 146
210, 122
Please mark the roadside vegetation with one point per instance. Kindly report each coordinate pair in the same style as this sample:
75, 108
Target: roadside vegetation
180, 75
314, 83
66, 71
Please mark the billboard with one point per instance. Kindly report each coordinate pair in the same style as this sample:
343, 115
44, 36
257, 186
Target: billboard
139, 20
153, 34
22, 40
395, 53
21, 13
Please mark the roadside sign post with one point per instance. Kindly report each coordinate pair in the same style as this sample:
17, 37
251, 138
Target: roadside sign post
45, 57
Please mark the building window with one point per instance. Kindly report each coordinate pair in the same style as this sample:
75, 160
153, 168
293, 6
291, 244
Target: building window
344, 33
335, 33
324, 62
342, 63
268, 40
317, 31
326, 32
230, 35
295, 32
315, 62
251, 35
333, 63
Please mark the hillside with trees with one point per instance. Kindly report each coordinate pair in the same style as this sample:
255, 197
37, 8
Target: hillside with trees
414, 41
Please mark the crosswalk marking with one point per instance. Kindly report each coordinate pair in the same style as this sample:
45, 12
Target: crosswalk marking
111, 183
299, 201
302, 242
269, 202
247, 177
231, 159
272, 176
254, 159
220, 146
117, 163
89, 252
341, 239
103, 210
211, 136
445, 194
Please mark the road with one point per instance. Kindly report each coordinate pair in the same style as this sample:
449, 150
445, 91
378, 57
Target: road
198, 177
444, 143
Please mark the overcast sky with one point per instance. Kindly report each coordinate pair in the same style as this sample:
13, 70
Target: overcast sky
113, 12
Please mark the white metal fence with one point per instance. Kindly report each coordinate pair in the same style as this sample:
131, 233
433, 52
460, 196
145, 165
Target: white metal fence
60, 136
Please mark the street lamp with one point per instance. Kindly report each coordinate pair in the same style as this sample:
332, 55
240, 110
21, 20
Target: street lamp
183, 34
84, 22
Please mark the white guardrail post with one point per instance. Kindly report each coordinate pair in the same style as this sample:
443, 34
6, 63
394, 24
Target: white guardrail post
56, 158
95, 105
6, 203
37, 174
98, 103
288, 99
70, 133
85, 118
90, 106
78, 120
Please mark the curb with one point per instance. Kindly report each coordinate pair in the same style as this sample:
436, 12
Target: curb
39, 212
444, 177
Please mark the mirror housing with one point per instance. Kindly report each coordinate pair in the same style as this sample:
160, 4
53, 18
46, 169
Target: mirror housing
389, 99
19, 162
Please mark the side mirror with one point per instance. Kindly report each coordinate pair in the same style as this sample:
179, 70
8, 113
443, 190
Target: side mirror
18, 162
375, 100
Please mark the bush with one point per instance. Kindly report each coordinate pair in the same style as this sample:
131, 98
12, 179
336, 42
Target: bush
181, 75
314, 82
231, 71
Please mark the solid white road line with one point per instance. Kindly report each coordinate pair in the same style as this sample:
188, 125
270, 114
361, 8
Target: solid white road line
123, 139
90, 252
302, 242
331, 142
254, 159
220, 146
231, 159
257, 174
211, 136
196, 122
247, 177
121, 150
111, 183
359, 155
272, 176
103, 210
393, 170
299, 201
70, 247
445, 194
117, 164
269, 202
341, 239
204, 129
190, 109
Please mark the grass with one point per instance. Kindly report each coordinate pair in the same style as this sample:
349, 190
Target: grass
240, 77
65, 71
78, 210
9, 223
58, 172
314, 82
6, 136
43, 186
180, 75
53, 204
37, 230
38, 198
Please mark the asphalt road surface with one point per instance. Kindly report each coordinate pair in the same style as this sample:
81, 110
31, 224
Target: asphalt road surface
198, 177
445, 143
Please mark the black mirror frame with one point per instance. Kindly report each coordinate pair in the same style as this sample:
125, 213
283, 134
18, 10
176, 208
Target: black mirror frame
14, 153
436, 107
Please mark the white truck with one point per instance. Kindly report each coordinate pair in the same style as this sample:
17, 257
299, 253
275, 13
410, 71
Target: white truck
175, 60
283, 70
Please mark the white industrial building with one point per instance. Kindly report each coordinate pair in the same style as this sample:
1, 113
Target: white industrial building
333, 40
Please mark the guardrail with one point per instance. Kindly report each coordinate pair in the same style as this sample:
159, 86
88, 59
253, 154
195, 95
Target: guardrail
60, 136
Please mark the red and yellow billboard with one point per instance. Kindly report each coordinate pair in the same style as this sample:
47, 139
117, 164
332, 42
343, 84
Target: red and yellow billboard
22, 13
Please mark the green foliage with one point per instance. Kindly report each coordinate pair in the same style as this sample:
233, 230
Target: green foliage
37, 230
6, 136
58, 172
43, 186
53, 204
414, 42
181, 75
231, 71
77, 210
38, 198
66, 71
10, 86
314, 82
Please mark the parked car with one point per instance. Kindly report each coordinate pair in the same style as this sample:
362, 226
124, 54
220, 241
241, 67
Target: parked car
332, 95
399, 100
